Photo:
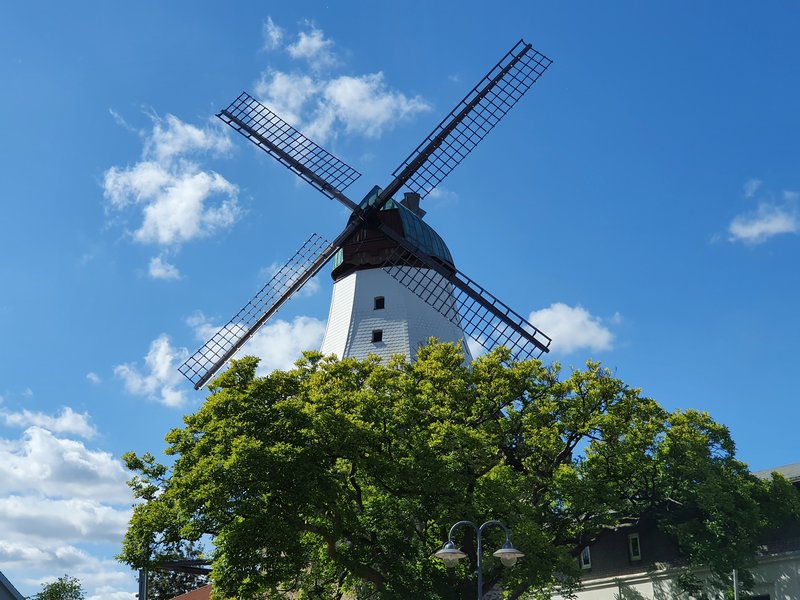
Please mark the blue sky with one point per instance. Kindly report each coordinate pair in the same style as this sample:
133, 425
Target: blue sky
641, 203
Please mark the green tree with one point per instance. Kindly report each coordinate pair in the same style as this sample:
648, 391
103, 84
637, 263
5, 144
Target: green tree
341, 478
165, 584
63, 588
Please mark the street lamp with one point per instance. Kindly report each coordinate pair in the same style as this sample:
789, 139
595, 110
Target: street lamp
507, 554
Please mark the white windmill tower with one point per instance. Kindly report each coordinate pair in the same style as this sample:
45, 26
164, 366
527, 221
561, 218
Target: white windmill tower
371, 311
395, 282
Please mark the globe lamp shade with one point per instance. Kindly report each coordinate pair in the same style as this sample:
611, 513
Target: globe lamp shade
508, 555
450, 555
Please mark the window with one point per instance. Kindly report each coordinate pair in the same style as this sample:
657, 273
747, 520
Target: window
377, 335
380, 302
634, 550
586, 558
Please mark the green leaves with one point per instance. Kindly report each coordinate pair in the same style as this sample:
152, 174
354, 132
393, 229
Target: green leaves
344, 476
63, 588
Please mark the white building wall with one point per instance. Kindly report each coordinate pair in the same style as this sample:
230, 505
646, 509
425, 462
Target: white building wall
339, 317
777, 575
653, 585
407, 322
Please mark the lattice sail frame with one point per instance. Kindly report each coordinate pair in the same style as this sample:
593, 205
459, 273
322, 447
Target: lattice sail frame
483, 107
456, 298
268, 131
481, 316
201, 365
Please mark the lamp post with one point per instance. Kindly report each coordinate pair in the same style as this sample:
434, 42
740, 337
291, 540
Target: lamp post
507, 554
142, 595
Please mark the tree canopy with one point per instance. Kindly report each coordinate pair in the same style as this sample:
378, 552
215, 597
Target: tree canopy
63, 588
167, 583
342, 477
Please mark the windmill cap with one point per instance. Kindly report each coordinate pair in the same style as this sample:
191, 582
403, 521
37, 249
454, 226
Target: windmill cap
414, 228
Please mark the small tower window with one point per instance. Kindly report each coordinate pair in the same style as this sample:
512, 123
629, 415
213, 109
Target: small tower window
634, 549
586, 558
377, 335
380, 303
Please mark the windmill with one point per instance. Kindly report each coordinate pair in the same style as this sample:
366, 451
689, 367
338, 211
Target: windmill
385, 245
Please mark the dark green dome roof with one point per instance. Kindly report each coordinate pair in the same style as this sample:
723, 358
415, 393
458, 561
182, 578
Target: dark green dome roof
406, 220
420, 233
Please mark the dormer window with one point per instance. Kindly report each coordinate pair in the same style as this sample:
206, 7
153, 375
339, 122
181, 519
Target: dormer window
377, 336
380, 303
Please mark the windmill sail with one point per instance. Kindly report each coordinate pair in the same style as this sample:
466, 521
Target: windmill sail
291, 148
306, 262
470, 121
462, 302
482, 317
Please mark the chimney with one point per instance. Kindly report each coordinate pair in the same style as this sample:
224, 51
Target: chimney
411, 202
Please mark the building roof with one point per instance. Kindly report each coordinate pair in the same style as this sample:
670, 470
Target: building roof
7, 586
422, 234
203, 593
414, 228
791, 472
375, 243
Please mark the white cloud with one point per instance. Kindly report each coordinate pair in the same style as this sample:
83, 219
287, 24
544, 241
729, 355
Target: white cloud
287, 93
273, 35
160, 379
313, 47
178, 200
107, 592
278, 344
62, 505
173, 201
132, 185
120, 120
174, 139
362, 105
60, 520
766, 222
30, 565
366, 106
322, 106
573, 328
44, 559
67, 421
773, 216
41, 463
161, 269
94, 378
750, 187
179, 213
